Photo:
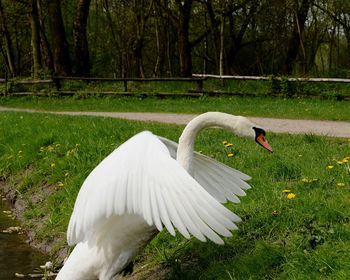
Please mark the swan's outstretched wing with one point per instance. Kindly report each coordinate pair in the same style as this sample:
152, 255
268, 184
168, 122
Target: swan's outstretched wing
141, 177
221, 181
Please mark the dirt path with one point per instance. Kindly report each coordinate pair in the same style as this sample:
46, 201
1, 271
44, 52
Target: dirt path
329, 128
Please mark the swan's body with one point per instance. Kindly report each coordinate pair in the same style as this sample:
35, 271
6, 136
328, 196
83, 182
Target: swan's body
140, 188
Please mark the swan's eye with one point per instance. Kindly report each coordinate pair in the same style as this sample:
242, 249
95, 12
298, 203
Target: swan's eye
259, 131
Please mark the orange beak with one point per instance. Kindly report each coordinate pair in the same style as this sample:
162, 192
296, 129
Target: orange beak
262, 141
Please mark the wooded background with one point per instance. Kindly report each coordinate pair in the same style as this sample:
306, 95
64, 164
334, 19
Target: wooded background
154, 38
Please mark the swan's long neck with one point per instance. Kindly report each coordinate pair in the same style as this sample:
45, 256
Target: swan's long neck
211, 119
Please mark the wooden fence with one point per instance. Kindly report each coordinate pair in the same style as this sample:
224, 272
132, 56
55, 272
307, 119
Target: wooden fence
265, 78
198, 79
57, 81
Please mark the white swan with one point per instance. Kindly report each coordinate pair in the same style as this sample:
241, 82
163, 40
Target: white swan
140, 188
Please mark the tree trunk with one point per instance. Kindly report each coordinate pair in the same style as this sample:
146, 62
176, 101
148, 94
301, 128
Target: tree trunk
9, 58
46, 54
35, 27
347, 35
215, 31
163, 27
222, 45
296, 37
82, 61
60, 52
237, 33
160, 55
183, 37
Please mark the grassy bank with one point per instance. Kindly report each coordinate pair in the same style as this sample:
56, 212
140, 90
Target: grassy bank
45, 159
249, 106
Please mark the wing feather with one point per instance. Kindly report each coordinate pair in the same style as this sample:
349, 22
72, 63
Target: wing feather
146, 202
221, 181
188, 220
164, 215
141, 177
155, 208
173, 211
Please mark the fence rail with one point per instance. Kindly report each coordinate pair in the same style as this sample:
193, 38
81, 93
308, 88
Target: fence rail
57, 81
265, 78
198, 79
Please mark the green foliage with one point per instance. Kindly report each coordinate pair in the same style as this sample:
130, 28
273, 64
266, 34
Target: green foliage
141, 38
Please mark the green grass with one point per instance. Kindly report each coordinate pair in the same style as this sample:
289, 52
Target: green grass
46, 158
248, 106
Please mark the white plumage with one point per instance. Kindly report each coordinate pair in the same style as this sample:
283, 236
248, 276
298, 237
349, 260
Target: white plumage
140, 188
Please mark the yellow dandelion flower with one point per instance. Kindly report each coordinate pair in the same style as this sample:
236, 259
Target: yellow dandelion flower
340, 184
60, 184
77, 145
286, 191
228, 145
345, 160
329, 167
340, 162
309, 180
230, 155
20, 151
9, 157
66, 174
52, 165
58, 144
291, 196
224, 142
42, 149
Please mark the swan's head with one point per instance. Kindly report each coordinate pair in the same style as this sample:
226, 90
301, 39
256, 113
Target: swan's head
260, 138
245, 127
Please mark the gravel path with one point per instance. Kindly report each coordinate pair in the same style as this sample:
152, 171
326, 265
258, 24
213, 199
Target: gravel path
328, 128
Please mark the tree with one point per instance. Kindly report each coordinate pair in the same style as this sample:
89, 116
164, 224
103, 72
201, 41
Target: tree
141, 12
140, 38
185, 56
60, 51
9, 56
296, 38
82, 60
35, 28
46, 54
339, 12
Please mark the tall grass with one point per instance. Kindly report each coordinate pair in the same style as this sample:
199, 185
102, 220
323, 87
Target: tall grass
46, 158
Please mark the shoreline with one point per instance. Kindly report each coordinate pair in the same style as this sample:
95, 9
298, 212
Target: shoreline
17, 207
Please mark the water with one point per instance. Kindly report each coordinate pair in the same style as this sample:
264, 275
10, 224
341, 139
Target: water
15, 254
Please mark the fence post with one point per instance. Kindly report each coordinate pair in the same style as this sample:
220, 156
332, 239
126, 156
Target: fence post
125, 85
200, 85
6, 91
57, 82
